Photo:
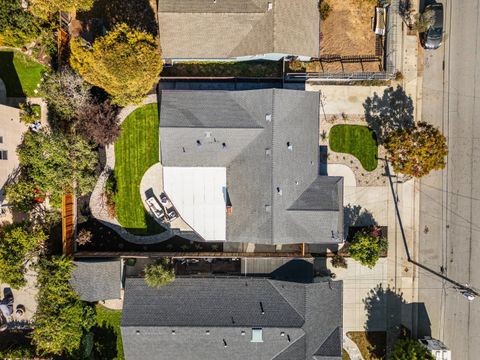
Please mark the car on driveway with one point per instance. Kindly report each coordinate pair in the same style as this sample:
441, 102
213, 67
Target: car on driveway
432, 38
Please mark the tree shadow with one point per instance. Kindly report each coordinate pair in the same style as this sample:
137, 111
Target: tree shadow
105, 342
355, 215
390, 112
387, 310
9, 75
136, 14
377, 306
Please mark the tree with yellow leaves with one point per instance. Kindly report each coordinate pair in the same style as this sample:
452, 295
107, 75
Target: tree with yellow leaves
126, 63
417, 150
45, 8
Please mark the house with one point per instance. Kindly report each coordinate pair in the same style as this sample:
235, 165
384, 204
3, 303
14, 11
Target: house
231, 29
232, 318
243, 166
11, 131
97, 279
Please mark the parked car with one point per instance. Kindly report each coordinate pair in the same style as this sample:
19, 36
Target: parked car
432, 38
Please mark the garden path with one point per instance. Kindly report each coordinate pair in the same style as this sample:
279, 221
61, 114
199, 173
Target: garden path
98, 204
351, 348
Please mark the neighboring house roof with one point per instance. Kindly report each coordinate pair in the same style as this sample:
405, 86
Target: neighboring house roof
11, 132
213, 318
230, 28
97, 279
268, 140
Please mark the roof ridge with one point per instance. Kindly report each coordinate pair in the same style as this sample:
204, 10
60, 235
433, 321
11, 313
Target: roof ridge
272, 206
304, 336
289, 303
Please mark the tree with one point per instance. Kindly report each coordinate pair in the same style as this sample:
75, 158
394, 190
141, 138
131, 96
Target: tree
159, 273
367, 246
61, 319
66, 93
46, 8
408, 349
55, 164
126, 63
23, 194
424, 20
17, 26
417, 150
99, 123
18, 244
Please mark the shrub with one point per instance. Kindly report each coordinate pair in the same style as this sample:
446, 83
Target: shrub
424, 20
408, 349
19, 243
325, 9
99, 123
84, 237
61, 319
29, 113
367, 247
110, 192
296, 65
338, 261
159, 273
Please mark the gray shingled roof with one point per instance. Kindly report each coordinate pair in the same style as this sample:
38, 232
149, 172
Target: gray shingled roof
230, 28
97, 279
272, 166
172, 322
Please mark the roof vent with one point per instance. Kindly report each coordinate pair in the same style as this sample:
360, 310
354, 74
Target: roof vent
183, 148
289, 146
296, 182
224, 145
199, 142
257, 335
282, 334
173, 332
268, 152
224, 343
242, 333
270, 6
279, 191
137, 332
208, 134
288, 338
268, 208
207, 332
268, 117
261, 308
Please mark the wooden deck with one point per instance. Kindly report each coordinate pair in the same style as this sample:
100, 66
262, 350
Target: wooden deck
68, 224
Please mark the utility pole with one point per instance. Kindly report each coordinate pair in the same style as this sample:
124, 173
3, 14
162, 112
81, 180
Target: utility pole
466, 290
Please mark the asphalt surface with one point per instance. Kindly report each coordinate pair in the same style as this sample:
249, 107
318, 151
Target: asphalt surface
450, 200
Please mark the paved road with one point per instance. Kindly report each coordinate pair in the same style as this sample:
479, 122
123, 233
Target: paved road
450, 200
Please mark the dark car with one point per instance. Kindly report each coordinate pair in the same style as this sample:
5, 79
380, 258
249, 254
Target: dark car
432, 38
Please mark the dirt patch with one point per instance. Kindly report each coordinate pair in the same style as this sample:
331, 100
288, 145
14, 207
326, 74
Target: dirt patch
347, 32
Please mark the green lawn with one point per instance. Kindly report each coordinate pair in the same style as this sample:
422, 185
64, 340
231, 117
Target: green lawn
20, 73
357, 140
135, 151
106, 334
